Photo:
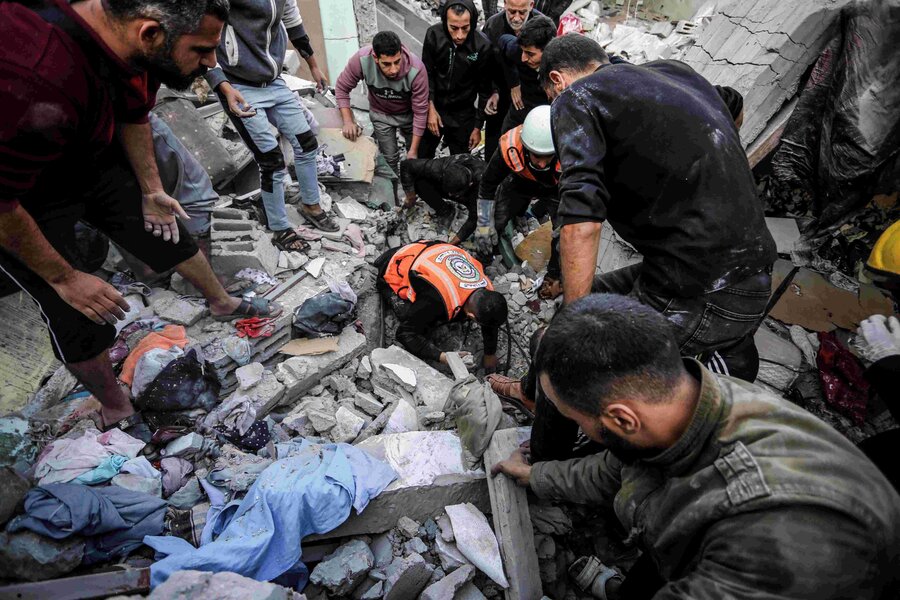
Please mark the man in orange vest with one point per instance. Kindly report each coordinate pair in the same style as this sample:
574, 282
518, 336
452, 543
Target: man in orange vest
524, 168
431, 283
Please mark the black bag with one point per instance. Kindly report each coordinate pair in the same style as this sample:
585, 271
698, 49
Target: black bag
184, 384
323, 315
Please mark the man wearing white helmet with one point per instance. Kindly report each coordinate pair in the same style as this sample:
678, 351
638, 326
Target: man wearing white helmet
524, 168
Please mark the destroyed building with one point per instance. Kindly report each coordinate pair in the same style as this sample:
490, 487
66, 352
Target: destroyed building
373, 465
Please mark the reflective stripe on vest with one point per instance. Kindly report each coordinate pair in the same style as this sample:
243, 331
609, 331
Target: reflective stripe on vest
513, 152
452, 271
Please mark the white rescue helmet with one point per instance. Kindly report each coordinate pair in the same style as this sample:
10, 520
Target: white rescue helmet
536, 135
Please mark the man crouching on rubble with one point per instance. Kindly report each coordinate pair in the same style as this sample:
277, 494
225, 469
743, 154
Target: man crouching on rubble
76, 84
730, 491
431, 283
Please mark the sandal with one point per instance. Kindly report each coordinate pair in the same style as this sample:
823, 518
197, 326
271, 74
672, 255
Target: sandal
320, 221
123, 424
254, 307
288, 241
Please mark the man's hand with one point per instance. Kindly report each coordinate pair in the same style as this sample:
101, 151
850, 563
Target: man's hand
92, 297
515, 467
410, 200
236, 103
351, 130
412, 154
485, 231
434, 121
474, 139
490, 363
516, 95
319, 78
879, 337
462, 354
491, 107
160, 211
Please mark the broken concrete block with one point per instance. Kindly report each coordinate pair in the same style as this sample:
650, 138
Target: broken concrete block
406, 577
447, 587
322, 421
785, 232
382, 550
364, 371
403, 376
432, 387
291, 261
373, 593
449, 555
32, 557
222, 586
367, 403
264, 395
169, 307
457, 366
238, 242
344, 569
433, 418
249, 375
403, 419
470, 592
299, 374
446, 528
347, 427
315, 267
476, 541
12, 492
408, 527
415, 546
350, 209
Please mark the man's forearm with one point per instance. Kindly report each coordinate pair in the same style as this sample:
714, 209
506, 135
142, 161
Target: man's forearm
138, 143
579, 244
21, 237
347, 116
414, 145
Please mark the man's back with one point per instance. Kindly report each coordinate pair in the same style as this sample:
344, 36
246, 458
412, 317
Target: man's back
673, 178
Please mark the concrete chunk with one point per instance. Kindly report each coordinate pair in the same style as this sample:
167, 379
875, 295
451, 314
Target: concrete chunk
344, 569
299, 374
469, 592
447, 587
406, 577
32, 557
404, 376
222, 586
367, 403
432, 387
347, 427
449, 555
169, 307
476, 541
249, 375
408, 527
403, 419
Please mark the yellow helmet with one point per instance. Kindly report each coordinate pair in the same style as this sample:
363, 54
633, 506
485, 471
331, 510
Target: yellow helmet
885, 257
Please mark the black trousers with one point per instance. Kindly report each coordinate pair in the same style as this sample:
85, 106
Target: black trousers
455, 134
495, 125
513, 199
717, 328
431, 193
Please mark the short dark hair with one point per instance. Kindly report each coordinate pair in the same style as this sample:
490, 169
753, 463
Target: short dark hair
176, 17
572, 52
490, 308
458, 9
386, 43
537, 32
603, 347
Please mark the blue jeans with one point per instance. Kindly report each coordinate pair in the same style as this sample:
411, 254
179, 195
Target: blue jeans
277, 105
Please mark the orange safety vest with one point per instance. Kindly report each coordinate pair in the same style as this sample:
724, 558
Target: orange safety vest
453, 272
513, 152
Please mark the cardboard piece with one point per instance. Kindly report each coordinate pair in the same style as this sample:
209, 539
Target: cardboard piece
812, 302
785, 232
359, 156
310, 346
535, 248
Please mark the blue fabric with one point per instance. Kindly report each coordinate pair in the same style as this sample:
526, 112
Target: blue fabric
310, 490
113, 520
106, 470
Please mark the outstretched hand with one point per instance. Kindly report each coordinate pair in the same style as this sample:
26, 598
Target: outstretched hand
160, 215
515, 467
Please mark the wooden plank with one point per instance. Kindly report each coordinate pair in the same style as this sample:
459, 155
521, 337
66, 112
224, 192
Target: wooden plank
512, 523
99, 585
769, 139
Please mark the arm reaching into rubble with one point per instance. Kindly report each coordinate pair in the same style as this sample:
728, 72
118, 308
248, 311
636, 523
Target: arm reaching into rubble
293, 23
160, 210
346, 82
594, 479
423, 314
583, 195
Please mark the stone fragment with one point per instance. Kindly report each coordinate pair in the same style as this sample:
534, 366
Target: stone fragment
321, 421
249, 375
446, 528
221, 586
169, 307
32, 557
185, 444
367, 403
476, 541
415, 546
447, 587
315, 267
431, 529
364, 371
344, 569
347, 427
470, 592
406, 577
348, 208
403, 419
432, 387
408, 527
404, 376
519, 298
300, 374
449, 555
433, 417
383, 550
12, 492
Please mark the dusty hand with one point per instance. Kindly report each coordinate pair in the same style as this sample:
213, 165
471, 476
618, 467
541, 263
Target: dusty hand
434, 122
516, 95
320, 79
351, 131
515, 467
879, 337
491, 107
92, 297
474, 139
410, 200
485, 240
160, 212
236, 103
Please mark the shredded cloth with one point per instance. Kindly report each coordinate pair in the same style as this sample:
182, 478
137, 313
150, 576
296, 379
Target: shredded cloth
310, 490
843, 379
171, 335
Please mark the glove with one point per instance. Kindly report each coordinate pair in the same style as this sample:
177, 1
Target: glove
878, 337
485, 231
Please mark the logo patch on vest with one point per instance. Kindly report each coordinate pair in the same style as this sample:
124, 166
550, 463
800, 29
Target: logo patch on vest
461, 267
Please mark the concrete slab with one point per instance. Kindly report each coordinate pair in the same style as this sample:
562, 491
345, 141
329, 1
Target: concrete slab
299, 374
432, 387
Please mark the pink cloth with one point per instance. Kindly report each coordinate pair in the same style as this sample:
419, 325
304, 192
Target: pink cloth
65, 459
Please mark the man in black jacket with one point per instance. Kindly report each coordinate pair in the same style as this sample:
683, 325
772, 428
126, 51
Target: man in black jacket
458, 58
436, 180
521, 55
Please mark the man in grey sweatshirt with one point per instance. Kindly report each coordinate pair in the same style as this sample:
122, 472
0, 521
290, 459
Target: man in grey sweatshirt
248, 80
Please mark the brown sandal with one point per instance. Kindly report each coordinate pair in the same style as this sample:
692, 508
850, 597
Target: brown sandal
320, 221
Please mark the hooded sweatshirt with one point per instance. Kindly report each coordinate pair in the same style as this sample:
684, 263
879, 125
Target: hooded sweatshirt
406, 93
458, 75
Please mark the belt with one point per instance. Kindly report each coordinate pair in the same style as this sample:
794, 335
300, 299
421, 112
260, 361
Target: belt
256, 84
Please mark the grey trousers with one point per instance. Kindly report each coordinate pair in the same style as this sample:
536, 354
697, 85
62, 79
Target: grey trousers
385, 131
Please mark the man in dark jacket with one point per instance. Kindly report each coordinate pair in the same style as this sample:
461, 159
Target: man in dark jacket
654, 149
436, 180
508, 22
728, 490
457, 57
432, 283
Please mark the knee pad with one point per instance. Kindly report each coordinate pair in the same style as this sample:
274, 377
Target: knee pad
270, 163
308, 141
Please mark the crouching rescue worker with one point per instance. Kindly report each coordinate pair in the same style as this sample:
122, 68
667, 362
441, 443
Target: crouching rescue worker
524, 168
729, 491
432, 283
